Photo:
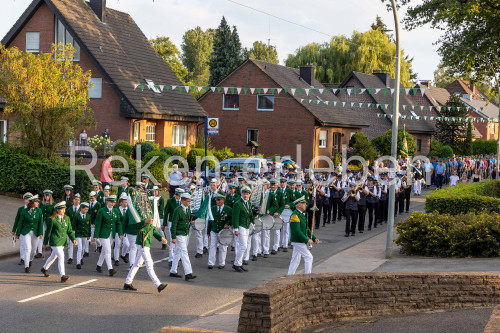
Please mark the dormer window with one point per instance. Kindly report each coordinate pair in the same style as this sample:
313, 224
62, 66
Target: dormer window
63, 36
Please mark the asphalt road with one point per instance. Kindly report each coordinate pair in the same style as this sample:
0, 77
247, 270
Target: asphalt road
100, 304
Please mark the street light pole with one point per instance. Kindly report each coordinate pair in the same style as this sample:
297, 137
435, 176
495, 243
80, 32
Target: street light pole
394, 143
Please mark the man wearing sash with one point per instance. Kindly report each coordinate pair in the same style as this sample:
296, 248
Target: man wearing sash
180, 229
222, 220
290, 197
257, 237
301, 237
242, 217
170, 206
275, 206
202, 237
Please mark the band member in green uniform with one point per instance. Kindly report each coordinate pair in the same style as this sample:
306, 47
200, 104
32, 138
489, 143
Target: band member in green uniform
124, 187
241, 218
222, 220
129, 248
81, 227
47, 207
171, 205
71, 212
160, 209
68, 195
30, 230
98, 190
94, 207
148, 185
232, 197
26, 197
58, 231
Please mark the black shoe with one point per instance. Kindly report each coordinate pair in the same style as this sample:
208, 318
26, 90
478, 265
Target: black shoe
346, 235
210, 267
31, 262
175, 275
117, 263
38, 255
198, 255
361, 231
99, 269
273, 252
86, 254
21, 262
78, 266
70, 261
333, 222
254, 258
45, 272
221, 266
259, 254
243, 269
237, 268
323, 225
161, 287
265, 255
124, 258
352, 234
317, 227
129, 287
164, 246
64, 278
112, 272
27, 270
369, 228
81, 262
205, 250
406, 212
285, 249
189, 277
245, 262
232, 248
170, 264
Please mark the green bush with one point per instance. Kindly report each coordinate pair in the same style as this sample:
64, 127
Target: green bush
446, 152
146, 147
191, 157
484, 147
223, 154
434, 234
156, 168
242, 155
171, 151
132, 164
20, 173
383, 143
124, 146
435, 148
464, 198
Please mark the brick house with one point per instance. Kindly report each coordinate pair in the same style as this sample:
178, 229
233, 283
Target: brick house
279, 121
110, 44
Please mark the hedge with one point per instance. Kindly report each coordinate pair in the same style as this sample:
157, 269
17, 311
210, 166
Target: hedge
124, 146
146, 147
465, 198
20, 173
156, 168
191, 157
171, 151
132, 165
444, 235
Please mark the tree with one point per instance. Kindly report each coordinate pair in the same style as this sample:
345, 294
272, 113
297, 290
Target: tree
367, 52
261, 51
470, 33
468, 140
47, 96
452, 133
197, 46
362, 146
226, 54
169, 52
381, 26
383, 143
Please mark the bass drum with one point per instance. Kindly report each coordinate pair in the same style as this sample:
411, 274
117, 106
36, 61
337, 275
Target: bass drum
278, 223
199, 224
287, 213
251, 229
267, 222
258, 225
225, 237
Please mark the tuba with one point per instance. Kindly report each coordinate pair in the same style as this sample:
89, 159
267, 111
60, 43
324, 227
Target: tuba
140, 204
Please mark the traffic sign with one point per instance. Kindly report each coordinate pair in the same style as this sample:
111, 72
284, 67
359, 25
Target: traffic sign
213, 126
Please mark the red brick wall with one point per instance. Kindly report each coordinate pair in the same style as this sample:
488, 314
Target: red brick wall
279, 131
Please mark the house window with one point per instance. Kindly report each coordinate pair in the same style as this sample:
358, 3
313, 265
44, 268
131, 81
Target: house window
179, 135
150, 133
252, 135
95, 91
419, 144
63, 36
336, 142
265, 103
492, 128
322, 139
3, 130
137, 127
33, 42
231, 102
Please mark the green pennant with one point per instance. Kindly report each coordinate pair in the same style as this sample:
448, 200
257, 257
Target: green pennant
232, 90
370, 91
348, 104
355, 90
286, 90
167, 87
341, 91
142, 87
327, 89
245, 90
313, 90
272, 91
181, 87
157, 87
219, 89
192, 88
299, 91
259, 90
453, 108
373, 105
206, 88
385, 91
443, 108
415, 91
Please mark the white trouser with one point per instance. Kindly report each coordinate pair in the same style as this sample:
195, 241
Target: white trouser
129, 247
92, 229
417, 186
105, 252
171, 250
161, 232
57, 252
40, 243
257, 243
241, 246
199, 240
276, 243
285, 235
181, 253
266, 239
143, 255
82, 242
70, 248
214, 244
300, 250
118, 244
22, 249
30, 242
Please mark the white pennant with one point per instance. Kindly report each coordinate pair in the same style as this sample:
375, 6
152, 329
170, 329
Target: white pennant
252, 90
173, 87
343, 104
212, 88
407, 90
317, 102
265, 90
377, 91
349, 91
392, 91
417, 117
293, 91
334, 103
320, 91
225, 90
432, 118
187, 88
362, 90
422, 91
336, 90
390, 116
386, 106
309, 101
307, 91
238, 90
404, 107
301, 100
279, 90
378, 105
421, 107
135, 86
161, 87
199, 88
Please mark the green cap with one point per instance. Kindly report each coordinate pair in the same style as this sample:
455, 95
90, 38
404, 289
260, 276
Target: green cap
68, 187
111, 198
27, 195
299, 200
246, 189
47, 192
219, 196
62, 204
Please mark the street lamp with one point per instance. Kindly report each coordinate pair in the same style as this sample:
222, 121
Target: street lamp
394, 143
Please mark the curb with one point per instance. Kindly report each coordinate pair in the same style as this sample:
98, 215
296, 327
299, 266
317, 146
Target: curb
9, 255
173, 329
493, 324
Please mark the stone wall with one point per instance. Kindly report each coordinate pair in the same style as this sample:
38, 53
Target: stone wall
291, 303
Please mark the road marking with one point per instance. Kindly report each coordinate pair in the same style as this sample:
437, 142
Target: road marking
154, 262
56, 291
222, 306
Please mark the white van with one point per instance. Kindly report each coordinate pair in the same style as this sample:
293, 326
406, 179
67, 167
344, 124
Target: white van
243, 165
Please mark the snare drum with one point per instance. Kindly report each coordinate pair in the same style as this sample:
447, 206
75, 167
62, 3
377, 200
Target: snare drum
258, 225
287, 213
225, 237
251, 229
278, 223
267, 222
199, 224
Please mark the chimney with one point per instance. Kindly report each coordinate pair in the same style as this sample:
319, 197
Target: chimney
99, 8
426, 83
307, 73
384, 77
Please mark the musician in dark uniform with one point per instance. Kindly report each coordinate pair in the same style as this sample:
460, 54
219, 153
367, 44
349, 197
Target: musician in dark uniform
351, 199
335, 196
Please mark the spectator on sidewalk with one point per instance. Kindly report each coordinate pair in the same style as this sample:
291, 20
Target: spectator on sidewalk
174, 180
454, 179
83, 138
440, 169
107, 171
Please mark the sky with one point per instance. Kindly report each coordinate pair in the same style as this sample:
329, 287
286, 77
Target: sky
172, 18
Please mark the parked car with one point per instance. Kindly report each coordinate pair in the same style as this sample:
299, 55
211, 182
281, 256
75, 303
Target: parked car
243, 165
